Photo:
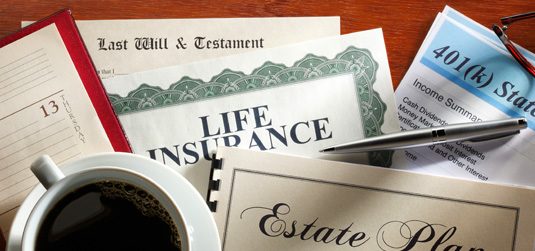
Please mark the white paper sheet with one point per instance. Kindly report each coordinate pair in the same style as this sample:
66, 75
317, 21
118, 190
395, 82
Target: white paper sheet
462, 74
268, 201
120, 47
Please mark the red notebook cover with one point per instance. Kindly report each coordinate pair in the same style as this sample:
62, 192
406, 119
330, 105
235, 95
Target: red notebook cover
80, 57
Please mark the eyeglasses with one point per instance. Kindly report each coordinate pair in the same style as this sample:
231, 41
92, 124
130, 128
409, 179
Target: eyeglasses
500, 31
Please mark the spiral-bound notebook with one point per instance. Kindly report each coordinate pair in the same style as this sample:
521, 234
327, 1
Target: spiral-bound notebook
265, 201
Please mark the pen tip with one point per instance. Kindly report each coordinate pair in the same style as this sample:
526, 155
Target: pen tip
523, 122
330, 149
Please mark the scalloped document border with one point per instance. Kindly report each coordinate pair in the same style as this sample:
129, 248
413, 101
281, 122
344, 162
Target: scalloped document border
358, 62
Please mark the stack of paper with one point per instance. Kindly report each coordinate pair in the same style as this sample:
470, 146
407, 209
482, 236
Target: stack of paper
183, 88
298, 99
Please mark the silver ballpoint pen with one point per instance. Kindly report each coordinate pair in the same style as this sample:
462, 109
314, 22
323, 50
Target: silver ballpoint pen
475, 132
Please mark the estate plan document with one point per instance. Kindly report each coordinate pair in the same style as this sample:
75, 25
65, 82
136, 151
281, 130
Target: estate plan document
462, 73
310, 204
296, 99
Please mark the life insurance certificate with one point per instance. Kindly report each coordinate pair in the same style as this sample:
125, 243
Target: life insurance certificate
119, 47
44, 110
461, 75
294, 99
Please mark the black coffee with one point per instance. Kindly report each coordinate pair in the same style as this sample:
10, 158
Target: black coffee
108, 216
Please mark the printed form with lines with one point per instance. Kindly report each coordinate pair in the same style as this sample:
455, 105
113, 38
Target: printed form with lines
44, 109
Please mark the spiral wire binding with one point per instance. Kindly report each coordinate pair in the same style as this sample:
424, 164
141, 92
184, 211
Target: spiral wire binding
213, 185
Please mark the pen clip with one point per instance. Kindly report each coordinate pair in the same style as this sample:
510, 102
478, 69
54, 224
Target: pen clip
493, 137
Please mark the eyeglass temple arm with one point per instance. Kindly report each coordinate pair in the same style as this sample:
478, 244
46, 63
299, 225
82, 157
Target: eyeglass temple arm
512, 49
510, 19
507, 43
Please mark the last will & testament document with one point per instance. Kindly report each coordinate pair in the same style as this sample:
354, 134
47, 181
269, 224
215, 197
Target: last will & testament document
125, 46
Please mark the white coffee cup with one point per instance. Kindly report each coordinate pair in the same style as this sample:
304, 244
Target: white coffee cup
176, 195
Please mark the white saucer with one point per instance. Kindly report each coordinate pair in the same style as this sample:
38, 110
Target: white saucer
201, 227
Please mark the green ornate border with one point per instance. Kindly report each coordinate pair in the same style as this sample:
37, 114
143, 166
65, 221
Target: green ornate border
358, 62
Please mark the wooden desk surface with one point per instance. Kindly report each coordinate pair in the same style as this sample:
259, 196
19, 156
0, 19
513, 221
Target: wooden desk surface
404, 23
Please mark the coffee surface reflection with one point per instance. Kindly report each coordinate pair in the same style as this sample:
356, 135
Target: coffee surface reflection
108, 215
